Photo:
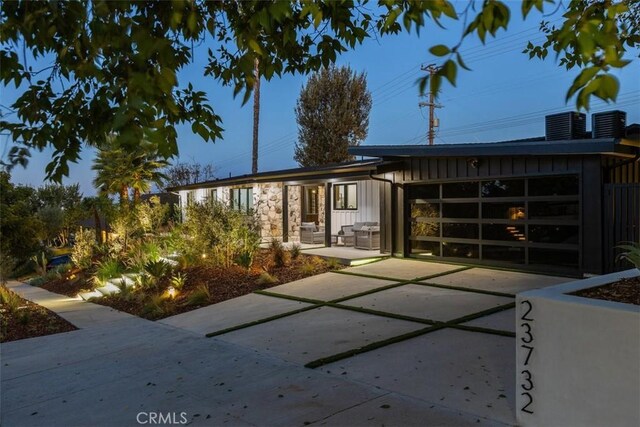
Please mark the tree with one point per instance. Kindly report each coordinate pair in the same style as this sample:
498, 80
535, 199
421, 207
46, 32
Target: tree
332, 113
118, 170
187, 173
114, 64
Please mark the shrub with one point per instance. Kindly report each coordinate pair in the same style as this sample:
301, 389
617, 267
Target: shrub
178, 280
140, 253
157, 269
266, 279
307, 268
7, 265
37, 281
631, 254
107, 269
217, 230
40, 263
278, 254
199, 296
83, 248
245, 259
295, 251
10, 299
155, 307
333, 263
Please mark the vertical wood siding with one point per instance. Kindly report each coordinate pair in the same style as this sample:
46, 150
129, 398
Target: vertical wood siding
368, 206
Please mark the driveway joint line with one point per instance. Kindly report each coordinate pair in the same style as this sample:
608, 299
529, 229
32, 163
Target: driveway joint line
482, 313
289, 297
462, 288
480, 329
384, 314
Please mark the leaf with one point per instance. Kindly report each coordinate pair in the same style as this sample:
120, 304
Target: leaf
461, 62
440, 50
450, 71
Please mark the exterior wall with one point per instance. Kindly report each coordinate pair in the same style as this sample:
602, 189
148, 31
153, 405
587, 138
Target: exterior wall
577, 358
321, 205
427, 170
368, 206
268, 206
295, 212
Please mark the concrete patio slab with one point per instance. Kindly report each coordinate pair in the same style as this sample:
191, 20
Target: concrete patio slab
498, 280
428, 303
502, 321
234, 312
318, 333
108, 289
347, 255
466, 371
402, 268
329, 286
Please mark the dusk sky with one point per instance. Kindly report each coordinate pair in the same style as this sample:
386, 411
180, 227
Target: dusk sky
505, 96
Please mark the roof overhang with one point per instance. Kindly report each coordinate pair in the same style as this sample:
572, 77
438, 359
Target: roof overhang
625, 148
293, 176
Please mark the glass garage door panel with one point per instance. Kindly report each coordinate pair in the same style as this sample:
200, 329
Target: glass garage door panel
533, 221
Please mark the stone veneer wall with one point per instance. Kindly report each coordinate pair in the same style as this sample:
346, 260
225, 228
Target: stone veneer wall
321, 209
295, 212
268, 205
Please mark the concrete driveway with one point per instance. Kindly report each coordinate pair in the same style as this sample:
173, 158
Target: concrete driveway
396, 342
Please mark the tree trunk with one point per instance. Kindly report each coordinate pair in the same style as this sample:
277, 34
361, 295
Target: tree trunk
98, 225
136, 196
256, 116
124, 194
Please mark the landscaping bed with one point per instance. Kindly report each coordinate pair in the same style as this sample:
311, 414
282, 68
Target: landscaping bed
625, 290
22, 319
203, 284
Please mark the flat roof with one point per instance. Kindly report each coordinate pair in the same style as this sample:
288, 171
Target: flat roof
348, 169
506, 148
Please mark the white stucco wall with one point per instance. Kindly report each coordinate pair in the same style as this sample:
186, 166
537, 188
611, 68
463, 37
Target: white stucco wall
583, 366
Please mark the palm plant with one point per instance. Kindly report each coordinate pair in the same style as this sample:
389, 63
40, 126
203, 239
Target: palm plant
119, 170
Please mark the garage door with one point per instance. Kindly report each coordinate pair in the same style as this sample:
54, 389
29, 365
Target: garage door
516, 221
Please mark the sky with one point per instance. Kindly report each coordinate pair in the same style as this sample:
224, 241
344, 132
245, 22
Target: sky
505, 96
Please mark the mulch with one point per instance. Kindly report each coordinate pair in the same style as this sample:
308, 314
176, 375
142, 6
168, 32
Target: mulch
624, 290
223, 283
30, 320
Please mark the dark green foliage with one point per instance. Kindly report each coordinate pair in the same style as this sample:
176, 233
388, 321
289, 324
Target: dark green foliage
108, 269
295, 251
218, 234
266, 279
157, 269
112, 67
278, 254
332, 113
631, 253
200, 296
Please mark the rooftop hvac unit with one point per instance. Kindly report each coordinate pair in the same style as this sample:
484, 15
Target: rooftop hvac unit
609, 124
569, 125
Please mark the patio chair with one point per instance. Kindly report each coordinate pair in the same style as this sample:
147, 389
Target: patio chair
311, 234
367, 237
350, 232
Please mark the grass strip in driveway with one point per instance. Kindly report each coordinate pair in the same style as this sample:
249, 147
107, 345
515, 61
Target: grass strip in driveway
483, 330
289, 297
383, 314
396, 279
259, 321
462, 288
482, 313
372, 346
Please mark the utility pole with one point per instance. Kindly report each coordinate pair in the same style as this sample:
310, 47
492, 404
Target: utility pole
256, 115
431, 69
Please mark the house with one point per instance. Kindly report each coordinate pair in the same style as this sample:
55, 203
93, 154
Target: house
329, 196
558, 203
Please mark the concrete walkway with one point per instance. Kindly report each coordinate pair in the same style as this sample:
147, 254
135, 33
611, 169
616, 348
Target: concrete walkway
122, 370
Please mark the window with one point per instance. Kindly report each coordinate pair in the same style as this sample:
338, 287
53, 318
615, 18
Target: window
213, 195
345, 197
191, 197
242, 200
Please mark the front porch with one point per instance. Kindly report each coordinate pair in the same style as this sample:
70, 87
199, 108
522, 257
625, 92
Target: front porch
346, 255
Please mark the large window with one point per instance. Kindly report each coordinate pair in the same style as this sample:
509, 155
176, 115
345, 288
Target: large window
531, 221
191, 197
242, 199
345, 197
212, 195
